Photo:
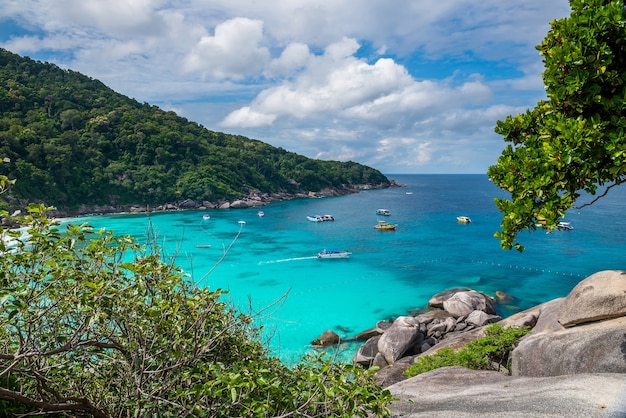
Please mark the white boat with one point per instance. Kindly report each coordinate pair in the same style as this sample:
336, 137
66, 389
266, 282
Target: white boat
261, 214
241, 222
385, 212
206, 217
333, 254
320, 218
464, 219
564, 225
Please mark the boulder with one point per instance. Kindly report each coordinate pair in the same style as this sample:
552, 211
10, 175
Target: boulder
367, 352
326, 339
480, 318
600, 296
436, 301
463, 303
459, 392
399, 338
239, 204
599, 347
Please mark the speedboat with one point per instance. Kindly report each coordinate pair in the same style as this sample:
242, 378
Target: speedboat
384, 226
464, 219
385, 212
261, 214
564, 225
333, 254
320, 218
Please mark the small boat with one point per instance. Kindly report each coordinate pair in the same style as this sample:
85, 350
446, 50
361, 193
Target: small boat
320, 218
565, 225
261, 214
203, 245
385, 212
409, 192
241, 222
206, 217
464, 219
384, 226
333, 254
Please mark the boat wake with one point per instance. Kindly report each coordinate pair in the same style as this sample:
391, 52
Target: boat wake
287, 259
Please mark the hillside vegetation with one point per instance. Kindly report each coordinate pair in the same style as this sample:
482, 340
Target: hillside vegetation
71, 140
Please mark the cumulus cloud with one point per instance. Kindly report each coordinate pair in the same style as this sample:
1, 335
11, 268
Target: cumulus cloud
233, 52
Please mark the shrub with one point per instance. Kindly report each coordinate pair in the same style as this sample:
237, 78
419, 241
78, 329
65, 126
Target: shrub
490, 352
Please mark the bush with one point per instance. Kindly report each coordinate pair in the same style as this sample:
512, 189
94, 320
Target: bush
490, 352
95, 325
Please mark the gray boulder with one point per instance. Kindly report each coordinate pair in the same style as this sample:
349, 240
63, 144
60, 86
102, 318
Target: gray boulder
327, 338
403, 334
462, 393
463, 303
367, 352
592, 348
600, 296
480, 318
436, 301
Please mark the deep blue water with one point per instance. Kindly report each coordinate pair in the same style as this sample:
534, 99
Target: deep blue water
389, 273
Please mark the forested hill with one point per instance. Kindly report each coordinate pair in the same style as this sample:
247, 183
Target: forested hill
71, 140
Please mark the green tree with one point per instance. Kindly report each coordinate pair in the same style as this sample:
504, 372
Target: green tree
574, 142
95, 325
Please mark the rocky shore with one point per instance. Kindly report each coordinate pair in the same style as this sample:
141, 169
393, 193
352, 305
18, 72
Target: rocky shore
253, 198
573, 363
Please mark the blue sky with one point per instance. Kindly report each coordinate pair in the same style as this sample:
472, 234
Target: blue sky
405, 86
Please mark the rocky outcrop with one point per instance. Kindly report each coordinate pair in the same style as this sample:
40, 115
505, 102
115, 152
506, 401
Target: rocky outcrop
461, 393
327, 338
583, 333
573, 363
408, 336
600, 296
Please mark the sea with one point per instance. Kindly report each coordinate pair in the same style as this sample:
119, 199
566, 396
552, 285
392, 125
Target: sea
268, 264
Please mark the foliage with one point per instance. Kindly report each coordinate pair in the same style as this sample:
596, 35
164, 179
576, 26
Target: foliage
490, 352
574, 141
96, 325
72, 140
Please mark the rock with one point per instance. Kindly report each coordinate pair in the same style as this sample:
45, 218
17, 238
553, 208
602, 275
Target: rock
459, 392
239, 204
400, 337
599, 347
463, 303
326, 339
366, 335
503, 297
367, 352
437, 300
600, 296
480, 318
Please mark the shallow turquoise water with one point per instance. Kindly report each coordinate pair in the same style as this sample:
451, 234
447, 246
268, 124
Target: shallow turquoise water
389, 273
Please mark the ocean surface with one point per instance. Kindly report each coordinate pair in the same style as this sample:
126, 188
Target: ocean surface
269, 266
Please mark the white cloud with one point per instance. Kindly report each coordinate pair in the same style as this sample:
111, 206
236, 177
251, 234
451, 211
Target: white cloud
234, 52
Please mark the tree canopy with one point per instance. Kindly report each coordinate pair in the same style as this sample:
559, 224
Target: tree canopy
71, 140
574, 141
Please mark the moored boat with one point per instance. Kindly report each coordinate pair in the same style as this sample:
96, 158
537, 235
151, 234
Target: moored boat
333, 254
320, 218
384, 226
385, 212
464, 219
261, 214
206, 217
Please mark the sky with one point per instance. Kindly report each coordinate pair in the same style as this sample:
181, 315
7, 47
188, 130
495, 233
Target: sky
404, 86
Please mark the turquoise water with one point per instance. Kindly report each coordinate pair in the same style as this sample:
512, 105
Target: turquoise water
389, 273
